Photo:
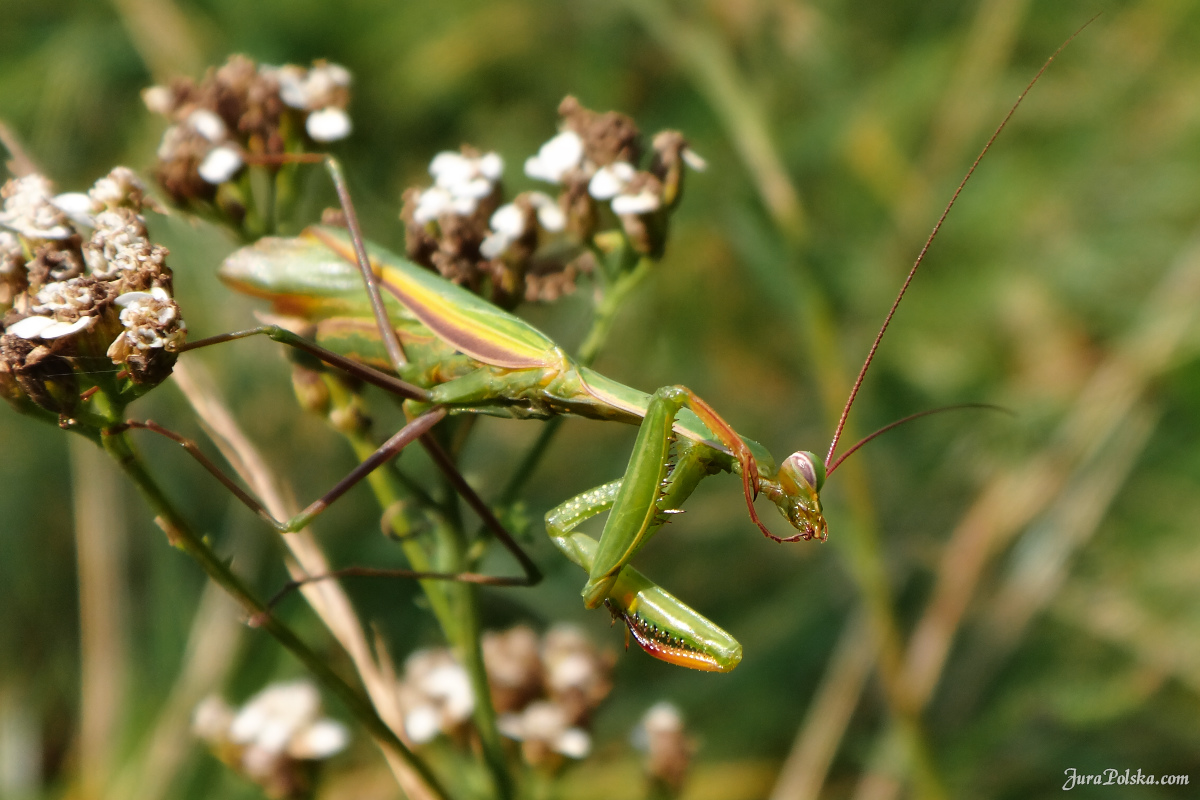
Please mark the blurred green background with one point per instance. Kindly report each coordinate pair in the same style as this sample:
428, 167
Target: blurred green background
1017, 593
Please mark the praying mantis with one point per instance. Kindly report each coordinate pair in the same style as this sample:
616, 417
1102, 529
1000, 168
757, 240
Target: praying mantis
445, 351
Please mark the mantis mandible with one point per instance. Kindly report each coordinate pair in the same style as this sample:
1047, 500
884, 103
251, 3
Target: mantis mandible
447, 351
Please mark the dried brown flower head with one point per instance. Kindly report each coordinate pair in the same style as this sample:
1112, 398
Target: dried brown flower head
238, 113
84, 289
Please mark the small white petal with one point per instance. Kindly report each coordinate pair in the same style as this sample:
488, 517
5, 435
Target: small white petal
663, 717
476, 188
464, 206
211, 718
539, 171
641, 203
552, 218
623, 170
337, 74
293, 89
494, 245
129, 298
610, 180
491, 166
275, 735
450, 169
451, 684
422, 724
574, 670
431, 204
556, 157
30, 327
78, 206
574, 743
322, 739
509, 220
159, 99
61, 329
694, 159
328, 124
221, 164
207, 124
248, 723
511, 725
274, 715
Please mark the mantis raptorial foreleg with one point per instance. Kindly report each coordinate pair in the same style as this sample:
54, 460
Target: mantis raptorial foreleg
662, 625
662, 472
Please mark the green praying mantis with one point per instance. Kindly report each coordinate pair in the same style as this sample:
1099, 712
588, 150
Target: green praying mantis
444, 350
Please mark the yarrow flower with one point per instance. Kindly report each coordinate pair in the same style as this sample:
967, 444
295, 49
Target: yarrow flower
662, 737
323, 91
65, 263
546, 692
534, 246
151, 320
460, 182
556, 158
595, 158
267, 739
435, 695
238, 113
544, 731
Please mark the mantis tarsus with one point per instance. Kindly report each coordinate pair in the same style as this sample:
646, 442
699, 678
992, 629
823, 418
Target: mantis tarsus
451, 352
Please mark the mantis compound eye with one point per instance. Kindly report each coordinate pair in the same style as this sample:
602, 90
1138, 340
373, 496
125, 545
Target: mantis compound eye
805, 470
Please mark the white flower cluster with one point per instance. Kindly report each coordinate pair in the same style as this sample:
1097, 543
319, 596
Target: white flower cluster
118, 253
223, 158
58, 304
435, 695
551, 689
545, 725
151, 321
277, 727
459, 183
321, 91
30, 210
510, 222
661, 735
564, 157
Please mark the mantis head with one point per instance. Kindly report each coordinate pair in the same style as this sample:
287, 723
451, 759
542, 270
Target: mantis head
795, 491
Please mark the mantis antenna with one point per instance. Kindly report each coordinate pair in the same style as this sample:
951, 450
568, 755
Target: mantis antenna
862, 373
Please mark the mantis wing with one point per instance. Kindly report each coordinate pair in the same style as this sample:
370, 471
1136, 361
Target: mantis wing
314, 276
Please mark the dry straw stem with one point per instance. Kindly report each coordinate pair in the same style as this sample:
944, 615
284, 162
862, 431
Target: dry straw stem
803, 773
1011, 501
212, 646
326, 597
1044, 555
103, 612
1107, 417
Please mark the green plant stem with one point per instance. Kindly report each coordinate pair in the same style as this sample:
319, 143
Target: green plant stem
390, 495
454, 605
181, 535
606, 310
466, 639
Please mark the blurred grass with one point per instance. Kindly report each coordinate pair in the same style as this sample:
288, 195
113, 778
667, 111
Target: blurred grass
872, 111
